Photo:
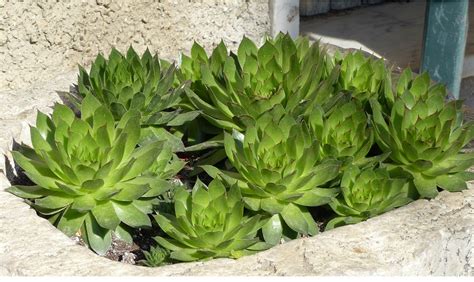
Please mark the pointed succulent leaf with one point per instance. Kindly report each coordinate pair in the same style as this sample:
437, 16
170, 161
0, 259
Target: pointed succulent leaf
272, 230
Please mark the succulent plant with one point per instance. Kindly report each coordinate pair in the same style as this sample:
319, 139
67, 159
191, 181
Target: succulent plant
287, 126
424, 135
155, 257
129, 82
280, 172
209, 223
343, 132
90, 176
234, 90
362, 76
366, 193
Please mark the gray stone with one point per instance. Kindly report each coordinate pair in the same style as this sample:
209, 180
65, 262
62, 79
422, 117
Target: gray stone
423, 238
311, 7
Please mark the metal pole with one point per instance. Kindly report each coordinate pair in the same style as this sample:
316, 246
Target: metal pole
444, 41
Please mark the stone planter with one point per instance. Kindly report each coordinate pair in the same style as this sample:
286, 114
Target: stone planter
422, 238
311, 8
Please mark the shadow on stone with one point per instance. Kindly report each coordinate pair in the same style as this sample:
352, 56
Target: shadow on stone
15, 174
72, 99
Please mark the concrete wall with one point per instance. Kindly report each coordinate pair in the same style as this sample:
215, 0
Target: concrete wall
285, 17
40, 39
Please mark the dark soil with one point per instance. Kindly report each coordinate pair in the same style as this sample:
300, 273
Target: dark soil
322, 215
122, 251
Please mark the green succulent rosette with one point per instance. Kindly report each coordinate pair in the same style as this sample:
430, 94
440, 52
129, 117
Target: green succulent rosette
362, 76
280, 172
343, 133
129, 82
209, 223
232, 90
367, 193
155, 257
89, 174
424, 135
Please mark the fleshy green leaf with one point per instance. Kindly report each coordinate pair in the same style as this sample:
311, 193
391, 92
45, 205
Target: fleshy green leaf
130, 215
272, 230
293, 216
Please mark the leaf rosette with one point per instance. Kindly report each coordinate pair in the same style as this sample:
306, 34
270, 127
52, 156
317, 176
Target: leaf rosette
90, 175
280, 172
233, 90
209, 223
367, 193
424, 135
362, 76
129, 82
343, 132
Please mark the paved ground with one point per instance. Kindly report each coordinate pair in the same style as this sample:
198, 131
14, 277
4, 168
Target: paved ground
391, 30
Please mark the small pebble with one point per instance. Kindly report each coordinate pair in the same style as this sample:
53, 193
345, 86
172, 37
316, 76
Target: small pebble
128, 258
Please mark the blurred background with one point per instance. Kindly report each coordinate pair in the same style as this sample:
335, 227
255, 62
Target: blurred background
391, 29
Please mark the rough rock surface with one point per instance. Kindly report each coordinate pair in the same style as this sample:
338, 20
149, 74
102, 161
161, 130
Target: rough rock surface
40, 39
425, 237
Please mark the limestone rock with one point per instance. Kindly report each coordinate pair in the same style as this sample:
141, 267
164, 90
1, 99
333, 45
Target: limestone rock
42, 39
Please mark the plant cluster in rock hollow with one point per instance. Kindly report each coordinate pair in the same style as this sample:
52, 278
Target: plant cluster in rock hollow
229, 154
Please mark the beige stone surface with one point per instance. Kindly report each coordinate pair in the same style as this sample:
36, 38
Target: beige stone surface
423, 238
40, 39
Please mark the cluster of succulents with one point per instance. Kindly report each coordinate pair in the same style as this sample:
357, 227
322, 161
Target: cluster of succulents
232, 153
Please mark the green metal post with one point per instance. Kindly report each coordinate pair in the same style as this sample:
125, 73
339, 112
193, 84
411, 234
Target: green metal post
444, 41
